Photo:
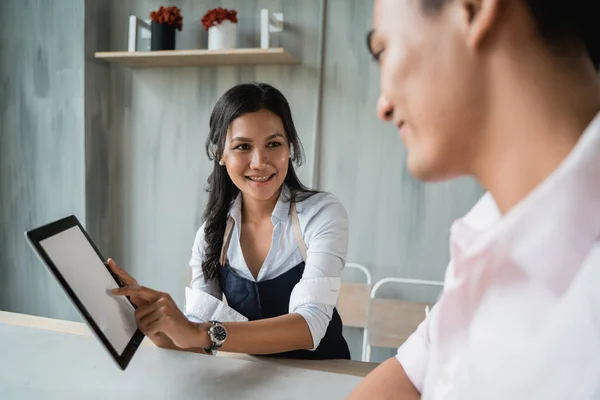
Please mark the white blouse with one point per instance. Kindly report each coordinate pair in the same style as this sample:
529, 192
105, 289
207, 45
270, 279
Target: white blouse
324, 224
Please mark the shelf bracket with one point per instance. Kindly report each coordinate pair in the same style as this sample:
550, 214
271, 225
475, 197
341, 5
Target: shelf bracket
136, 24
269, 23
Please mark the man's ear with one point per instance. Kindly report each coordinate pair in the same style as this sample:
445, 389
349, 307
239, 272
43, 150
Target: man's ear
480, 16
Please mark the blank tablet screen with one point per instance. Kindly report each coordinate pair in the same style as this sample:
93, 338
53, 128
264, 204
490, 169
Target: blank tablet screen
76, 260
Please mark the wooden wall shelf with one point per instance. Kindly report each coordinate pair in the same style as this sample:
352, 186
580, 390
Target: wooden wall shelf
191, 58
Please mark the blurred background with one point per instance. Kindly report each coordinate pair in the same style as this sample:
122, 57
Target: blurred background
123, 148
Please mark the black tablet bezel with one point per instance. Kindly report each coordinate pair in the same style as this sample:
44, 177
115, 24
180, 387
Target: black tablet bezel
34, 237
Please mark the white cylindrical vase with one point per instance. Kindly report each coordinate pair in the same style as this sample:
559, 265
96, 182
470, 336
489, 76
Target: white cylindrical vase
222, 36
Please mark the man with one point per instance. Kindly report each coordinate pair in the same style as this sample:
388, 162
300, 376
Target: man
505, 91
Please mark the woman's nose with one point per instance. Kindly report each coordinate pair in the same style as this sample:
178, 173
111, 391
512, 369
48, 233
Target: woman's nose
260, 158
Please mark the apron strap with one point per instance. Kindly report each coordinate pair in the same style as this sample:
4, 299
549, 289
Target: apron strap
298, 231
226, 240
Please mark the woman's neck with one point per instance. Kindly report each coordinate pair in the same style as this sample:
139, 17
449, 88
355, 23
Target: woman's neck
254, 210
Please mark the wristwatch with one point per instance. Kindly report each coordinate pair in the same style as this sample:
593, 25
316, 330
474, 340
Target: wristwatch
217, 334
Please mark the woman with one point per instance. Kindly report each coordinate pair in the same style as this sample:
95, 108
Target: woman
272, 247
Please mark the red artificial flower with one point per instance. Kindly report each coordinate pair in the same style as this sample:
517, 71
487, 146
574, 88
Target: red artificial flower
217, 15
168, 15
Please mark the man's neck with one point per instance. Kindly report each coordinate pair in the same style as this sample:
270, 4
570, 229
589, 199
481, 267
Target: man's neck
538, 116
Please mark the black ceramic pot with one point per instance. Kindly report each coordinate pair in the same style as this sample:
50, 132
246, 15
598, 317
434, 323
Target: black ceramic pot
162, 36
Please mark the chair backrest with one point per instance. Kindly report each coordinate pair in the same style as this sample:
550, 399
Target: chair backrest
353, 304
353, 301
392, 321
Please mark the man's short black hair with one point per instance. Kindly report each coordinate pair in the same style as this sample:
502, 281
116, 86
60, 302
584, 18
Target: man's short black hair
562, 24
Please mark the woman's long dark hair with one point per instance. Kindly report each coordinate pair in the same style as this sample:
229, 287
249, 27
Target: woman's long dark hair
237, 101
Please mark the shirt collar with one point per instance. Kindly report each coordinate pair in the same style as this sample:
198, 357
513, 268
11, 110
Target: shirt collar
467, 230
280, 212
548, 234
282, 208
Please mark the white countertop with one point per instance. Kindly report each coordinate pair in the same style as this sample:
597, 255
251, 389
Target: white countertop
42, 364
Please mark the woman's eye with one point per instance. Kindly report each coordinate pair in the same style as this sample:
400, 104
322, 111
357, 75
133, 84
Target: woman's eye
242, 147
274, 144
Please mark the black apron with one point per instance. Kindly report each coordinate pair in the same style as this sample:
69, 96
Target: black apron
271, 298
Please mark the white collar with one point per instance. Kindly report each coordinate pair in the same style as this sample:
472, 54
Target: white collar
550, 232
280, 212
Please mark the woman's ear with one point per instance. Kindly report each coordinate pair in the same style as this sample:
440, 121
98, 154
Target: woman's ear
222, 158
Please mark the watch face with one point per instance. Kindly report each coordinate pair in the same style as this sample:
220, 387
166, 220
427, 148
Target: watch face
219, 333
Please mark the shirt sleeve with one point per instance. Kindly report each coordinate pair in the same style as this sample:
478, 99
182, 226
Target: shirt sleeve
326, 235
203, 298
413, 355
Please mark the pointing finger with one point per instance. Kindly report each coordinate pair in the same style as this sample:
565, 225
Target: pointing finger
140, 291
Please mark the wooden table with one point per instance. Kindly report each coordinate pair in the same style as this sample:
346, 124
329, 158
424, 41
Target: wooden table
50, 358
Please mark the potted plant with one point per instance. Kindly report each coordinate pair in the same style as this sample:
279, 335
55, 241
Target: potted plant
221, 25
163, 23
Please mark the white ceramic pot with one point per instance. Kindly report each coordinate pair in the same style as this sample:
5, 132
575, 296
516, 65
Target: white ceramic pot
222, 36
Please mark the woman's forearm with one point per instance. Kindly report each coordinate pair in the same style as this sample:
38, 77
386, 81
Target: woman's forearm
268, 336
163, 341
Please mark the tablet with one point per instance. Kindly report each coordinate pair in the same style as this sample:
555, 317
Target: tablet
74, 260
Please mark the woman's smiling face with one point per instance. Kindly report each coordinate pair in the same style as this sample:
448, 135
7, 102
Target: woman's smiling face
257, 154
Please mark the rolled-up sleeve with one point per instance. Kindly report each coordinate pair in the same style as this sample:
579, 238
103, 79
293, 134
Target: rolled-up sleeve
203, 298
325, 231
413, 355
